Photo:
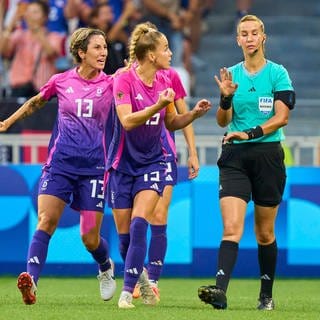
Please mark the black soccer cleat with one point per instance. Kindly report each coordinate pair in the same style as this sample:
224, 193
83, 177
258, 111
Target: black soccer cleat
214, 296
265, 303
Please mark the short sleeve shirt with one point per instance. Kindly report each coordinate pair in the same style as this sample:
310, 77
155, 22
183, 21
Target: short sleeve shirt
77, 142
253, 102
139, 150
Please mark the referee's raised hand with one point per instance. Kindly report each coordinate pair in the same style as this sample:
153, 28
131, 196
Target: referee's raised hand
226, 86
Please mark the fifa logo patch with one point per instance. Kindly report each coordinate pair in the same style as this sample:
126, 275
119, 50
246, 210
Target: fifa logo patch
265, 104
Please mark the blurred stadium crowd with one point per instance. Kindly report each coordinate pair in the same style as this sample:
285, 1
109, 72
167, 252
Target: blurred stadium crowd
35, 34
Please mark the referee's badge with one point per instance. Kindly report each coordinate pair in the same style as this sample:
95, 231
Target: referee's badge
265, 104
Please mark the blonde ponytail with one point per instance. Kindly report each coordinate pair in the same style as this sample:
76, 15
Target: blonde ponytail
143, 38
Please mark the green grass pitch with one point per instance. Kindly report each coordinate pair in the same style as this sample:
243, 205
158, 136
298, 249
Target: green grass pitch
78, 298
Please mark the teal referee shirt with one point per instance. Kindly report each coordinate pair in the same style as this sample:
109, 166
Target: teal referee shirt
253, 102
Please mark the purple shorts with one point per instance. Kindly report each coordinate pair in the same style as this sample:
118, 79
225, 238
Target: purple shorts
122, 188
171, 174
86, 192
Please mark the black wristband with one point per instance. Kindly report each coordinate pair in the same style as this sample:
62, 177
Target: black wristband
225, 102
254, 133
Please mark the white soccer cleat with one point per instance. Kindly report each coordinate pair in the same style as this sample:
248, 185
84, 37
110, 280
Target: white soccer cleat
27, 288
155, 290
148, 295
107, 283
125, 300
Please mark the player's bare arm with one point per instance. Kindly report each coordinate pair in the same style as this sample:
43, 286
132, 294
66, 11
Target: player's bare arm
29, 107
188, 132
131, 120
175, 121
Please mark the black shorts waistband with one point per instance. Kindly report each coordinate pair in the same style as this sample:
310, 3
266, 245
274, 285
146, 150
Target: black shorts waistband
255, 145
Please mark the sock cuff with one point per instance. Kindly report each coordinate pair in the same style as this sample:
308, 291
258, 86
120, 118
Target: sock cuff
140, 221
273, 244
124, 236
41, 235
229, 245
158, 229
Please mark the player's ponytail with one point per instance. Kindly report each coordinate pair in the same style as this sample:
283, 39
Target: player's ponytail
143, 38
135, 36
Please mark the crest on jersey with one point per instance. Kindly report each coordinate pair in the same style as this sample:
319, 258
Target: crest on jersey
99, 92
120, 95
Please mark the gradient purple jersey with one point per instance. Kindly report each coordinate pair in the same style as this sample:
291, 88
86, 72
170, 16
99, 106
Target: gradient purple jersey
180, 93
139, 150
76, 144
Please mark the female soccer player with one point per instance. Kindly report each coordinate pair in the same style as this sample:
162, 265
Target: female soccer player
158, 220
144, 102
76, 161
256, 99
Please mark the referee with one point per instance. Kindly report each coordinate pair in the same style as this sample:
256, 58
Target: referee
256, 99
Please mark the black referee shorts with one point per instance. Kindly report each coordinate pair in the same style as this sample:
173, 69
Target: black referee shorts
252, 170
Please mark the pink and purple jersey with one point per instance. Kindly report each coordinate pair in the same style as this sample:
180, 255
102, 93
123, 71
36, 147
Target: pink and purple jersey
167, 137
76, 145
139, 150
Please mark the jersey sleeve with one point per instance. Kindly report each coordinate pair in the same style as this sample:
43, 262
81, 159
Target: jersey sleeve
282, 80
49, 90
177, 85
121, 89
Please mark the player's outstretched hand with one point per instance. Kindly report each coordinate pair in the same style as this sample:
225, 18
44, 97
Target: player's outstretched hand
201, 108
3, 126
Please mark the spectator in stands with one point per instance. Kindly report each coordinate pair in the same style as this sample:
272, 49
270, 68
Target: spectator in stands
57, 19
11, 12
33, 51
243, 8
256, 99
166, 16
102, 17
170, 17
81, 9
74, 170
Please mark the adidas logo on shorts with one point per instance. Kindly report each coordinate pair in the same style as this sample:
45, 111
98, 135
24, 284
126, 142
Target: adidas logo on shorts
154, 186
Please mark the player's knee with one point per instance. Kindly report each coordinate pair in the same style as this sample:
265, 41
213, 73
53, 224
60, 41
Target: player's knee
265, 237
159, 218
232, 231
90, 242
47, 224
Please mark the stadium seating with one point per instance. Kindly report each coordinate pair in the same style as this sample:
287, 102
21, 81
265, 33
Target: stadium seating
293, 33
